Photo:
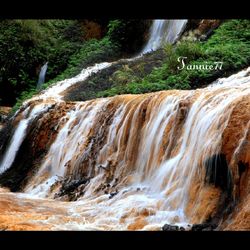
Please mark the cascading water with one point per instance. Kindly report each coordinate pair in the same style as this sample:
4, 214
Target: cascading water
19, 135
130, 162
56, 91
162, 32
140, 160
42, 74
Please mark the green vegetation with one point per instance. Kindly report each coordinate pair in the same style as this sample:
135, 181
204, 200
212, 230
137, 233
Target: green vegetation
67, 45
230, 44
128, 34
93, 51
120, 73
26, 45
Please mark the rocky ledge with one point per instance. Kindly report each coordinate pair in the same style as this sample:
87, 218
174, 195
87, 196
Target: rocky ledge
194, 227
4, 112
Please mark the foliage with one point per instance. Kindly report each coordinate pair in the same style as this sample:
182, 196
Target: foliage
91, 52
25, 45
128, 34
230, 44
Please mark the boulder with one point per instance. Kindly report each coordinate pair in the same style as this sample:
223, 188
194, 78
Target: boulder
204, 227
168, 227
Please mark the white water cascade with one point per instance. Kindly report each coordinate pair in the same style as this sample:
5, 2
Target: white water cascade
158, 185
19, 135
42, 74
164, 31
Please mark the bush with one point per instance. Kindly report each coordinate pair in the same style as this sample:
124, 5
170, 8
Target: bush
230, 44
129, 35
25, 45
92, 52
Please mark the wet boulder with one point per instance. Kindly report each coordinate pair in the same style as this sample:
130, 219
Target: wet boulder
204, 227
168, 227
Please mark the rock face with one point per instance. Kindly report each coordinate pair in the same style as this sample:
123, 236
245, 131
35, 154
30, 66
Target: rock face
204, 227
129, 161
200, 29
208, 25
4, 112
194, 227
168, 227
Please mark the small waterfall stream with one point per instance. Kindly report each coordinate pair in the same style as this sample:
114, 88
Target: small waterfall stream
42, 74
164, 31
19, 135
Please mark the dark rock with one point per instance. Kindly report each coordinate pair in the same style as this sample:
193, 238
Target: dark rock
106, 78
3, 118
192, 24
204, 28
113, 194
242, 167
194, 227
168, 227
72, 185
218, 172
102, 167
204, 227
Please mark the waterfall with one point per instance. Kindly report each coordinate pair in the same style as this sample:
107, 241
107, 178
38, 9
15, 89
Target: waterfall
19, 135
164, 31
56, 91
128, 162
14, 145
136, 161
42, 74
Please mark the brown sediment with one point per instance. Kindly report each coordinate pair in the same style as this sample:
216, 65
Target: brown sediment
138, 224
240, 218
113, 155
202, 203
19, 213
